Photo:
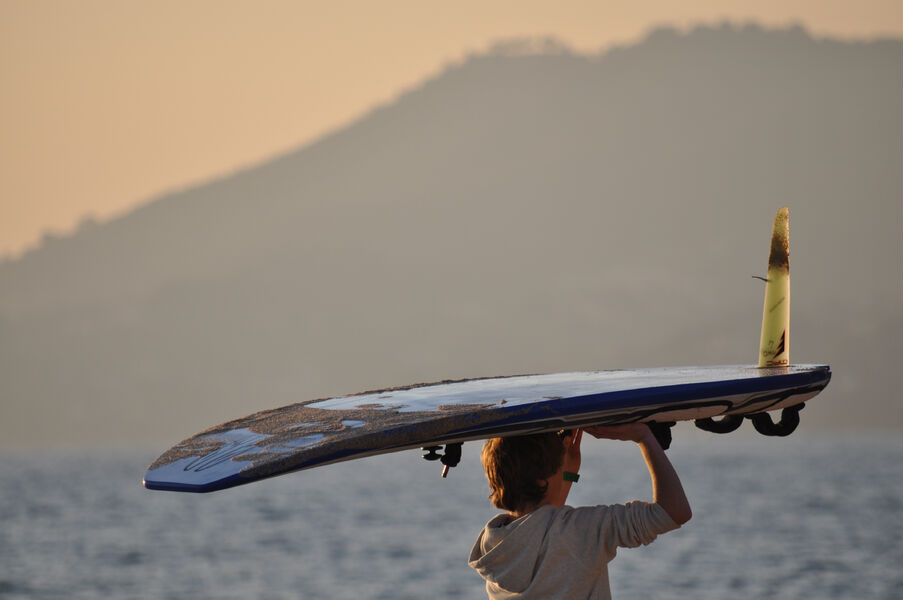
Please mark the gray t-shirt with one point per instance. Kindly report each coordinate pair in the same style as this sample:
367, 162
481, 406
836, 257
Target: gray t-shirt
562, 552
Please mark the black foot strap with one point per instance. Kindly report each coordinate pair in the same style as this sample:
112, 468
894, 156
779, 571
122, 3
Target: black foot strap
790, 418
726, 425
662, 432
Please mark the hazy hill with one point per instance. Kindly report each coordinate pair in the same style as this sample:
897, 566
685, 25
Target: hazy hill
519, 212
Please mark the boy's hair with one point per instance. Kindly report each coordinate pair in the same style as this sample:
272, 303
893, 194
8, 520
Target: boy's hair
516, 467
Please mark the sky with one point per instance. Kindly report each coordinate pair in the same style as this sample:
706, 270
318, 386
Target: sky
106, 104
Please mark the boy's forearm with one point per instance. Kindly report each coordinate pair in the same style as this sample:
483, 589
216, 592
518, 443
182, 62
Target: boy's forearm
666, 487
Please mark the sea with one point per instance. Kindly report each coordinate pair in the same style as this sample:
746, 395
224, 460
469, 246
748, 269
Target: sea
814, 515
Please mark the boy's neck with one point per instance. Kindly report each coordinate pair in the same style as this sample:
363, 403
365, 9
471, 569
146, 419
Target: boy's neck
557, 490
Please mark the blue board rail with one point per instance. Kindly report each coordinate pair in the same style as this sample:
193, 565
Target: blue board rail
321, 432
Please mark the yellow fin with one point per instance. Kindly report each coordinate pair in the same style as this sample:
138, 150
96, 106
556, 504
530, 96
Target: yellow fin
774, 345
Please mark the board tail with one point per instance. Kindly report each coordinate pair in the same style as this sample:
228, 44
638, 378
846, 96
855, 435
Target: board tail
774, 345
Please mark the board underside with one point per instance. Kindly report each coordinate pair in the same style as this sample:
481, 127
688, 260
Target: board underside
320, 432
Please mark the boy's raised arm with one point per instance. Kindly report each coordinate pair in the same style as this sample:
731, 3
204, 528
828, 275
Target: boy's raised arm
667, 490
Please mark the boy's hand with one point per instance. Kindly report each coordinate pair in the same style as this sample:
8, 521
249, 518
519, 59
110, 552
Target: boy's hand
572, 451
632, 432
667, 490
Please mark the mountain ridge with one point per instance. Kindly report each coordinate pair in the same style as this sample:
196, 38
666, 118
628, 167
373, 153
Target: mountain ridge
514, 213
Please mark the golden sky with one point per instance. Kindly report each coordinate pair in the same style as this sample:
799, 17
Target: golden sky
105, 104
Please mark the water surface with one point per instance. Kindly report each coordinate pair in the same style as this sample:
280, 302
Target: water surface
804, 517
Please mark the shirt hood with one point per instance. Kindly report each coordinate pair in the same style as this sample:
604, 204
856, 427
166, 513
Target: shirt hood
508, 549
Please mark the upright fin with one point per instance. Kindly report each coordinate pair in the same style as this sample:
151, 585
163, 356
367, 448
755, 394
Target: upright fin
774, 346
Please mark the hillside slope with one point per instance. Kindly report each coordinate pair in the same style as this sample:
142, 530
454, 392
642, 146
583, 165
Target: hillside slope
515, 213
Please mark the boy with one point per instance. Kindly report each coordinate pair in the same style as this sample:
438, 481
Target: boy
543, 549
